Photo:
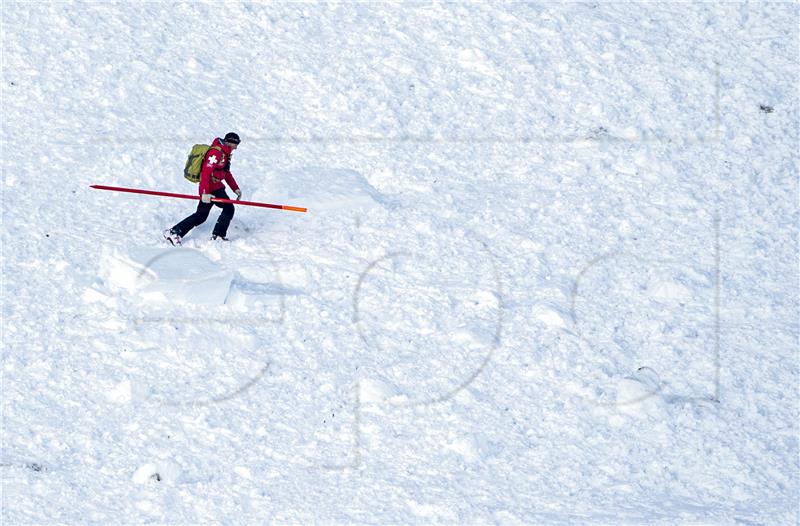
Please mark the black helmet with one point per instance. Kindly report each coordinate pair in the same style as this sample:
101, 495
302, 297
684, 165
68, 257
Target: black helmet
232, 137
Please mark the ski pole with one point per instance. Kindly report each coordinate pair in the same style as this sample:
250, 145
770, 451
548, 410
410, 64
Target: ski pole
196, 197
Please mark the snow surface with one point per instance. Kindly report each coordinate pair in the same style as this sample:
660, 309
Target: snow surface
549, 272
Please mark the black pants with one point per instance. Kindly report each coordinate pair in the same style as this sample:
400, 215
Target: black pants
201, 214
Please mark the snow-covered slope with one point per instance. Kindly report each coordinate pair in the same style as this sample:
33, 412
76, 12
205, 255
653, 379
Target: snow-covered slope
549, 272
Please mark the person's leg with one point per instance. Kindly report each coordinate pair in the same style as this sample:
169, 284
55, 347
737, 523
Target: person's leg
198, 218
221, 228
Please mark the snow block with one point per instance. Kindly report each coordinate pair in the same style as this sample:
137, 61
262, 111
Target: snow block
174, 275
640, 395
373, 391
163, 470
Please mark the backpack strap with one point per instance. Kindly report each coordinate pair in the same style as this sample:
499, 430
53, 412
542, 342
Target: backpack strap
215, 147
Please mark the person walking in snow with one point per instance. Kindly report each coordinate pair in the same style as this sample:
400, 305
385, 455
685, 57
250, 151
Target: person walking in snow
216, 170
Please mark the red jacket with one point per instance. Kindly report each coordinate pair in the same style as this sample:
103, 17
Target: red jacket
217, 168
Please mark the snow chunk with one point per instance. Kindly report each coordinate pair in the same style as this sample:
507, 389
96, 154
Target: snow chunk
145, 473
475, 60
467, 447
164, 470
670, 290
126, 392
640, 395
321, 189
92, 295
243, 472
549, 316
121, 393
432, 512
487, 299
375, 391
175, 275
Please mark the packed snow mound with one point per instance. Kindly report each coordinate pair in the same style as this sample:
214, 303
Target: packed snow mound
321, 189
175, 275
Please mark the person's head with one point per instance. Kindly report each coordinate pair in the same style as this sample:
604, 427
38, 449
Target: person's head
232, 140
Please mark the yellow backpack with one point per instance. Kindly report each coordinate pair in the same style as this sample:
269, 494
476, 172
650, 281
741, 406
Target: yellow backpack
194, 164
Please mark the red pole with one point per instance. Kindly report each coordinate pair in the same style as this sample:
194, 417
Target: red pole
196, 197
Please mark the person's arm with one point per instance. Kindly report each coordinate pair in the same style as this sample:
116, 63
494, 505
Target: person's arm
232, 184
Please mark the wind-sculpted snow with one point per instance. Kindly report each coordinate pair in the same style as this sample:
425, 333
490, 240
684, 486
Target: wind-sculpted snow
548, 273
